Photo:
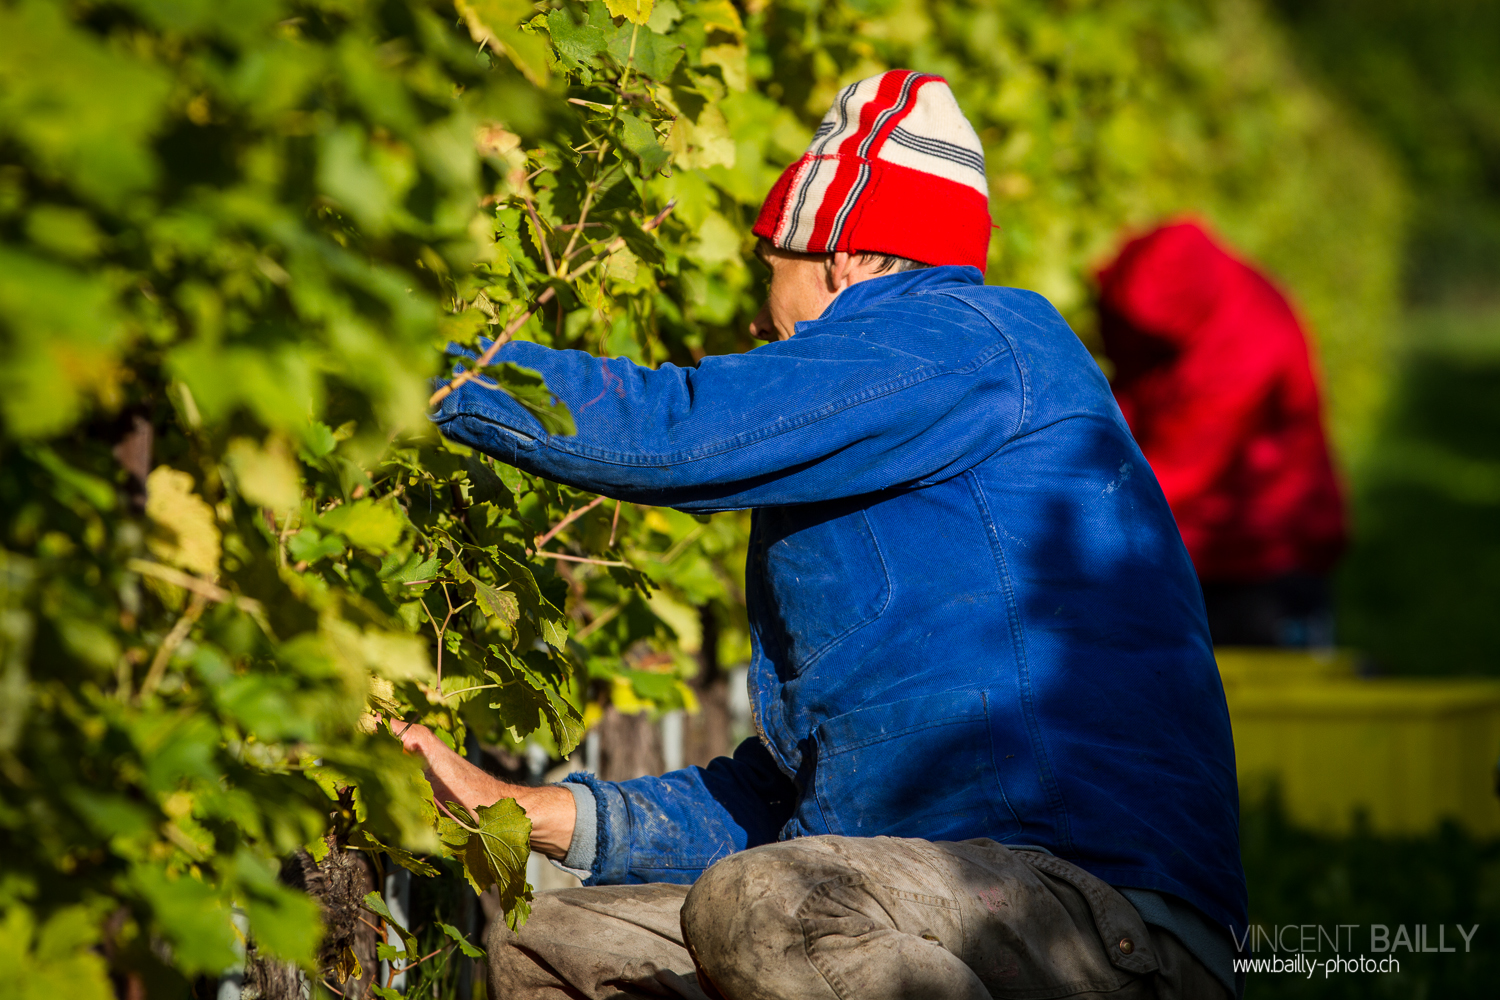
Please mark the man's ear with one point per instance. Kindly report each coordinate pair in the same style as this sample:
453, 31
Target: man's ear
839, 269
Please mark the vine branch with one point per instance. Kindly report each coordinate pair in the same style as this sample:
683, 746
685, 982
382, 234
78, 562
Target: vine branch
569, 519
547, 294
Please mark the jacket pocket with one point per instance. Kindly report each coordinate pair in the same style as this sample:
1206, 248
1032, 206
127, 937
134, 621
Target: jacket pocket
824, 578
922, 767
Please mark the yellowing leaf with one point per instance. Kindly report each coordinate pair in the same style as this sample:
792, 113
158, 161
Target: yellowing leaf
494, 23
634, 11
623, 265
718, 240
265, 476
61, 345
184, 531
394, 656
733, 62
704, 143
622, 695
720, 15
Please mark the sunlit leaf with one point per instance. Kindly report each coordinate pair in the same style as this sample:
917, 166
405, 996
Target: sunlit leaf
496, 603
493, 842
369, 524
634, 11
463, 942
185, 532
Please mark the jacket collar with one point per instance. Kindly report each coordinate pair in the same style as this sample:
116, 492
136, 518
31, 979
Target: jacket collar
865, 294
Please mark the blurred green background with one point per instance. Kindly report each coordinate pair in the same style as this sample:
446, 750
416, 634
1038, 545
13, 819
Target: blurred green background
1420, 590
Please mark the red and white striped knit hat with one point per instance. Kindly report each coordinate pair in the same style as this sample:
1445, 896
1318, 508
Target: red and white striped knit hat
895, 168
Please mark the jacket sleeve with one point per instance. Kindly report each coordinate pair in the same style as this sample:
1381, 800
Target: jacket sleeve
824, 415
673, 827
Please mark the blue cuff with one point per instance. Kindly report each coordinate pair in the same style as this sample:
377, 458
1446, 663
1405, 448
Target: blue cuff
611, 831
582, 848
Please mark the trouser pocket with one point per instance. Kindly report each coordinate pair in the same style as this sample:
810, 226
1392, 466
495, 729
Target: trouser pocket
1121, 929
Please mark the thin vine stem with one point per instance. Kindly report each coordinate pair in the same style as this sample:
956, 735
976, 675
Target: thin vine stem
488, 357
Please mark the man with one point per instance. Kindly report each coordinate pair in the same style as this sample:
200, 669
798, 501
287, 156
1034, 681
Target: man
1213, 375
983, 688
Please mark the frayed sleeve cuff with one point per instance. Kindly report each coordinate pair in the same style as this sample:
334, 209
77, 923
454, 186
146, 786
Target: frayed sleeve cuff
609, 863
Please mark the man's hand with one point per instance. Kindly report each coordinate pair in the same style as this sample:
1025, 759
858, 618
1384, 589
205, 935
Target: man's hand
551, 809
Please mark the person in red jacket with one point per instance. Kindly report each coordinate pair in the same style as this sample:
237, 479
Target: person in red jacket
1213, 374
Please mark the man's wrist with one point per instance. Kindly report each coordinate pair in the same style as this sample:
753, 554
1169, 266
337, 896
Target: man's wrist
553, 813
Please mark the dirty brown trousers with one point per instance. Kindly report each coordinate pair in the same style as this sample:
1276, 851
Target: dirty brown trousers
845, 917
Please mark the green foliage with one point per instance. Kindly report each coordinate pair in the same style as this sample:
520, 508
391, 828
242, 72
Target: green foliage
1426, 77
248, 230
1446, 877
428, 953
252, 228
1419, 587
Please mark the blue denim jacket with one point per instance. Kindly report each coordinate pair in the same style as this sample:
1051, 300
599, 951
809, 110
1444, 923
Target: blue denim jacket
971, 612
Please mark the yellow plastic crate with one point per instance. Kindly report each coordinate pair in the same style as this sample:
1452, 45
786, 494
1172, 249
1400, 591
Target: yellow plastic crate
1240, 665
1408, 753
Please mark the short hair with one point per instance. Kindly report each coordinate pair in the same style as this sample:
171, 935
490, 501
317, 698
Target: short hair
884, 263
889, 263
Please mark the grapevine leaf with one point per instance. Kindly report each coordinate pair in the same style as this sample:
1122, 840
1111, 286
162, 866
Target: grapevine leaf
634, 11
527, 52
511, 477
191, 914
266, 476
495, 22
185, 532
375, 903
579, 43
368, 524
463, 943
95, 491
65, 960
497, 603
720, 15
653, 56
308, 545
285, 922
484, 485
640, 139
492, 844
367, 841
555, 632
564, 721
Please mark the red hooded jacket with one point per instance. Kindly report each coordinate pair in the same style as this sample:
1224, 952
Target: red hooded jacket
1213, 375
